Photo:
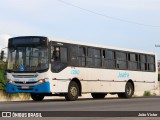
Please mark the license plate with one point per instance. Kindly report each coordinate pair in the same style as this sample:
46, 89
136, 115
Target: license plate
24, 87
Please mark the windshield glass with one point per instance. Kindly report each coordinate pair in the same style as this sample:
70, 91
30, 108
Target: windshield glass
27, 59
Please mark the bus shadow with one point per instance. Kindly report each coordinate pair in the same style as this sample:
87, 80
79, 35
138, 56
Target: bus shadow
82, 99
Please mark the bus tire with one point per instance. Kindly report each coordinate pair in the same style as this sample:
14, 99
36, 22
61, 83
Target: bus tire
98, 95
37, 97
129, 91
73, 92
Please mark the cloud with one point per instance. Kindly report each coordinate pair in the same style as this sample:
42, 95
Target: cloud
4, 41
16, 27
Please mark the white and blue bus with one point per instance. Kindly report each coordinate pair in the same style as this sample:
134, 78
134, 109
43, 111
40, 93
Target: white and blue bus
51, 67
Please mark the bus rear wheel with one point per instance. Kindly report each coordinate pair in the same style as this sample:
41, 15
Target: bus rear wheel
98, 95
73, 92
129, 91
37, 97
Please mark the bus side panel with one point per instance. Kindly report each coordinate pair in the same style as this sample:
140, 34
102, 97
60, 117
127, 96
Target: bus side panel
103, 80
146, 82
60, 86
102, 86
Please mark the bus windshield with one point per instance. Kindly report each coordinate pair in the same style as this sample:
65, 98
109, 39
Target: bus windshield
31, 59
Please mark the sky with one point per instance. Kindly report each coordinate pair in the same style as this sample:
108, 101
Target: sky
133, 24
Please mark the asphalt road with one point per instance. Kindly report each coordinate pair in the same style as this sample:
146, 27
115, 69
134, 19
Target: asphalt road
108, 104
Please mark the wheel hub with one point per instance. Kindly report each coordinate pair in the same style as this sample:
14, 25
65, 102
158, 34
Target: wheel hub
129, 90
73, 91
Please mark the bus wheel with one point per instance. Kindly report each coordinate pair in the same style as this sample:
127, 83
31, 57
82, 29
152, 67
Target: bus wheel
37, 97
73, 92
129, 91
98, 95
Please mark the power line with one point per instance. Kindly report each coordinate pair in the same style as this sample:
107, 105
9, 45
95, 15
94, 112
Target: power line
106, 16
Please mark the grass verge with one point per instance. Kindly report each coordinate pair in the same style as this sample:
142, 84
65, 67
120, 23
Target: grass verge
148, 93
19, 96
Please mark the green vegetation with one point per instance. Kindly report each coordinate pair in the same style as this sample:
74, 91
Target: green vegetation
3, 94
148, 93
2, 76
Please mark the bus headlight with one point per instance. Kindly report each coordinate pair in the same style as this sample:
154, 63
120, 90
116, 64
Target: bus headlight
42, 81
9, 80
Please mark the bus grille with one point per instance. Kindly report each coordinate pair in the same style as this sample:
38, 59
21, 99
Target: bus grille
24, 76
29, 82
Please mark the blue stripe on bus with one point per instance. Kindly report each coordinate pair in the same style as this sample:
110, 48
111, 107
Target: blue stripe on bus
41, 88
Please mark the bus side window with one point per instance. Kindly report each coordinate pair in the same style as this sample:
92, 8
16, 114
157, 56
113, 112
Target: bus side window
121, 58
55, 54
73, 52
59, 59
63, 55
151, 63
82, 56
90, 58
132, 61
109, 59
143, 62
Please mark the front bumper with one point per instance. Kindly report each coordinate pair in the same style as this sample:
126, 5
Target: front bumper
40, 88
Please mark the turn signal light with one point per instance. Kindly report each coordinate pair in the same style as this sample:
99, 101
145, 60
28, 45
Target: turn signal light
42, 81
10, 81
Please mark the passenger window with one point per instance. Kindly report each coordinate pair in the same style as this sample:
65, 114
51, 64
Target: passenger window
109, 55
59, 58
97, 53
120, 55
142, 58
82, 56
132, 61
143, 64
109, 59
151, 63
73, 52
90, 52
150, 59
121, 58
59, 54
94, 57
63, 55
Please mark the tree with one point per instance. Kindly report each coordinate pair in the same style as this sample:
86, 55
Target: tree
2, 76
3, 55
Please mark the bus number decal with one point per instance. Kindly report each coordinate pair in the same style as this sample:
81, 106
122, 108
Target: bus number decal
75, 72
123, 75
